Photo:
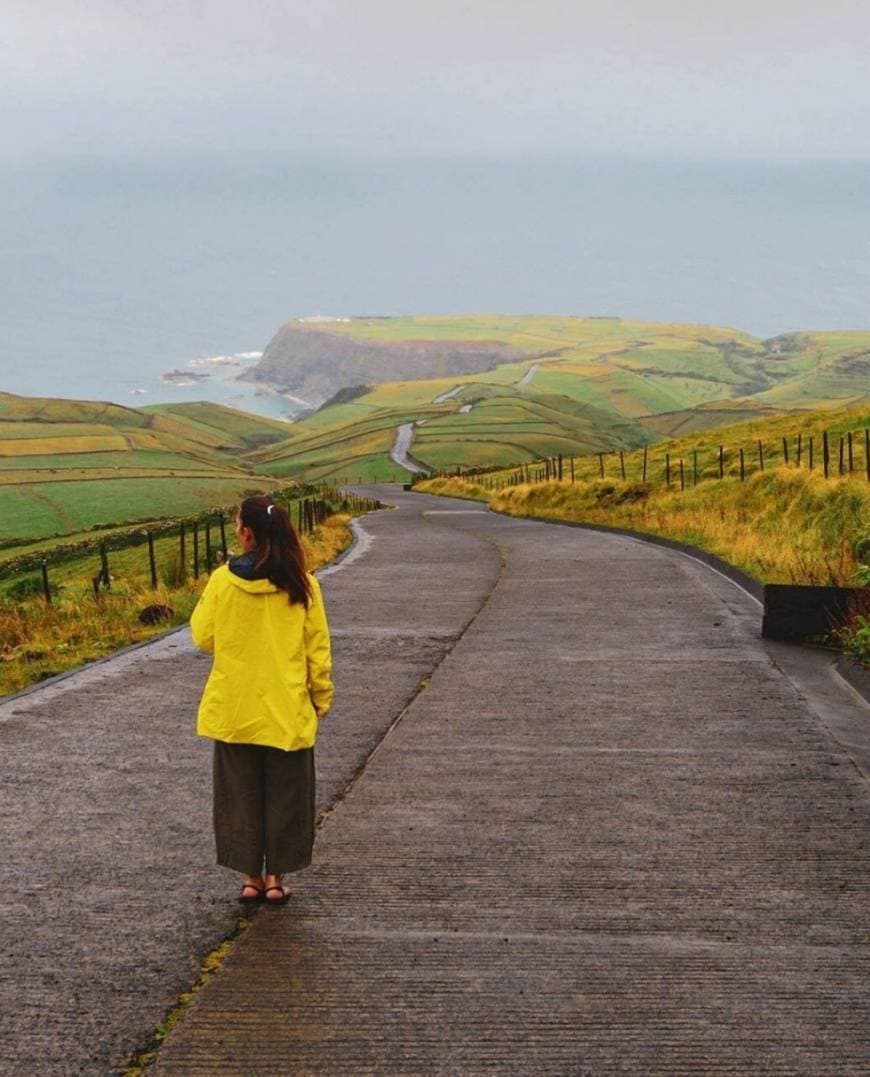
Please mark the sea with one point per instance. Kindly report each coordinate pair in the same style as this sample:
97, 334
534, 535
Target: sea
118, 271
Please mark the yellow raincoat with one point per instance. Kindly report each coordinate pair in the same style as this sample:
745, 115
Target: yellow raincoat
270, 680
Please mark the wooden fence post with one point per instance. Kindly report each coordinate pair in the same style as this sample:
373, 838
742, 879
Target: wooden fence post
851, 462
572, 469
223, 535
841, 467
601, 463
104, 561
196, 549
560, 467
152, 563
622, 464
760, 455
207, 546
645, 457
668, 468
799, 450
826, 453
810, 460
785, 450
721, 461
742, 465
682, 476
867, 451
46, 590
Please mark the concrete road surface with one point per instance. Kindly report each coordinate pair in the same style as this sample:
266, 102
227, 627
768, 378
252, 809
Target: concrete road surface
608, 835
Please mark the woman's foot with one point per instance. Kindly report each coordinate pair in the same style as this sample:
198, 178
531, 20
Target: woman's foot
253, 888
275, 893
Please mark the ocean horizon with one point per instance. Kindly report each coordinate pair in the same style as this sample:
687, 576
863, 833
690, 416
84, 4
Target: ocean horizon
121, 270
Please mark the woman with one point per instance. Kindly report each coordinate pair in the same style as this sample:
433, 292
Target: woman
262, 617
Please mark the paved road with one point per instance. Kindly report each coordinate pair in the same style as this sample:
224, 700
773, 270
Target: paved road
529, 374
609, 835
450, 393
400, 452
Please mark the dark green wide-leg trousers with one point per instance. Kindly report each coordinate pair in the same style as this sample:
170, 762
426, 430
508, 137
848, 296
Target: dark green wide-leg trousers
263, 808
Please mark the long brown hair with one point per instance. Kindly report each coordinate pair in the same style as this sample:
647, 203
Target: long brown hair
279, 552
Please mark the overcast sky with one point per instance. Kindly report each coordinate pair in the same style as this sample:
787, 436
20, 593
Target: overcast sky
697, 78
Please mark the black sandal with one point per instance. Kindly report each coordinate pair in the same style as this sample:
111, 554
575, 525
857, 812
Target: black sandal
282, 900
251, 899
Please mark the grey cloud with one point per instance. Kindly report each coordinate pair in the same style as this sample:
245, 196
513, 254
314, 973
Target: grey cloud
783, 77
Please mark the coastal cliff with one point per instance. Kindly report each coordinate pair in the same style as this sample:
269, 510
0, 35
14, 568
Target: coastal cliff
313, 363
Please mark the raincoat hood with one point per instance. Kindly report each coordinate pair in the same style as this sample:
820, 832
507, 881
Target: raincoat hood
257, 586
244, 574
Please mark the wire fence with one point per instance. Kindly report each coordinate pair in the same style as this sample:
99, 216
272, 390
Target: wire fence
175, 549
846, 456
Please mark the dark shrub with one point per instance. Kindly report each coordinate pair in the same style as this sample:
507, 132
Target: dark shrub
153, 615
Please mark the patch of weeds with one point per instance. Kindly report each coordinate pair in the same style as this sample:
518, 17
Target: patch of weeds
853, 635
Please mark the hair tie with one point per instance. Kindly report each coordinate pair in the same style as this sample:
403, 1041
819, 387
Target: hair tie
269, 510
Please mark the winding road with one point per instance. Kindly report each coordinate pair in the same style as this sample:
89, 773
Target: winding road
529, 374
442, 397
577, 818
400, 452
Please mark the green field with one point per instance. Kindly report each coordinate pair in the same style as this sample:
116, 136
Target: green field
68, 466
35, 510
133, 460
224, 426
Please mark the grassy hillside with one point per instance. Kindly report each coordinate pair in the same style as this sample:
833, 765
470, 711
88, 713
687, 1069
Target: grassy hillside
226, 428
770, 431
69, 465
572, 385
635, 368
481, 423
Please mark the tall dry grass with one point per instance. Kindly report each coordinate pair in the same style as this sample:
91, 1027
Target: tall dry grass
781, 526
